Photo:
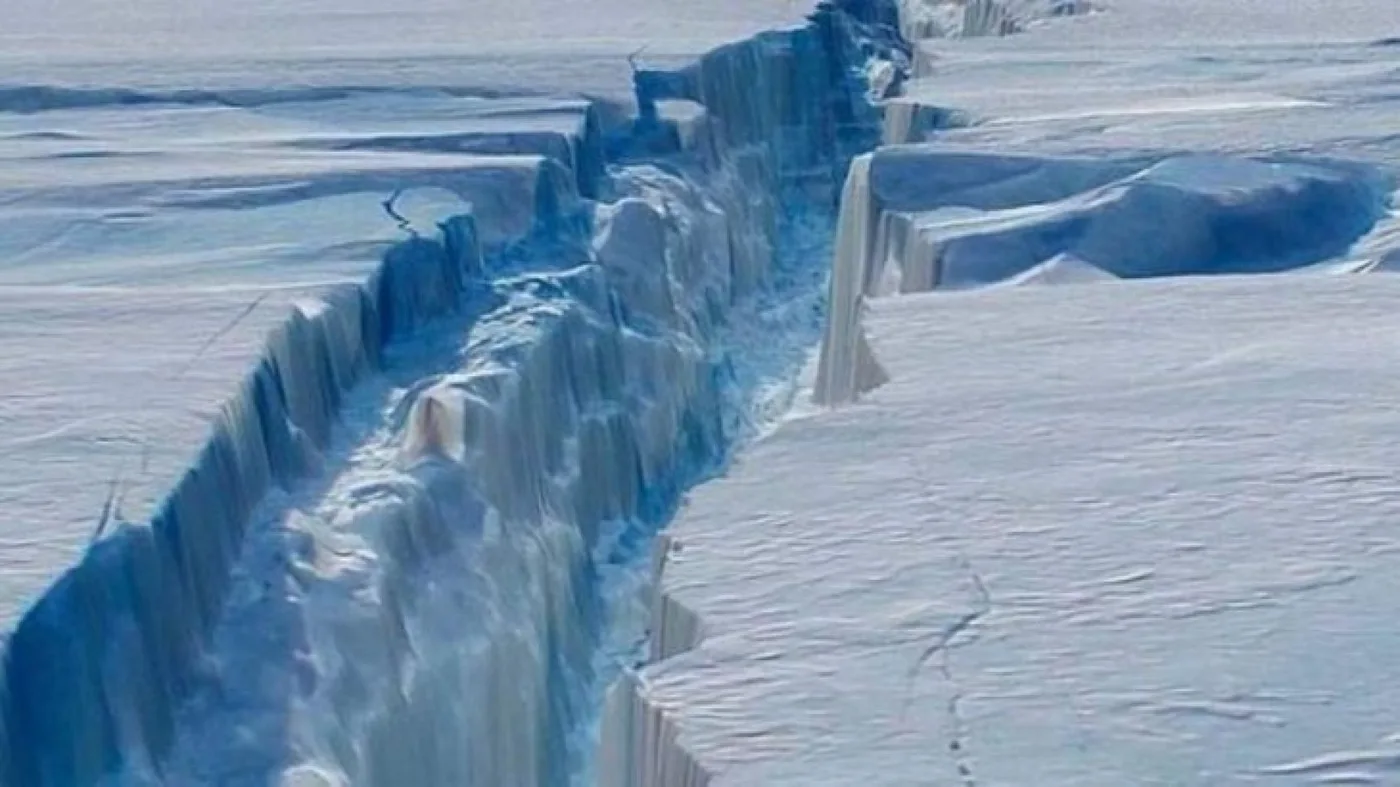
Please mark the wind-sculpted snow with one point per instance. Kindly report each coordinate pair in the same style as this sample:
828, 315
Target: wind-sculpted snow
1216, 215
398, 557
922, 218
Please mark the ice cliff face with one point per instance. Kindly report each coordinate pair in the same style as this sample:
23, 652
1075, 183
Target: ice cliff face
915, 218
386, 566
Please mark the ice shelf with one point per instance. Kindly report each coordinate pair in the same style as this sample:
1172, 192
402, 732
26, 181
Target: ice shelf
503, 334
442, 346
1045, 525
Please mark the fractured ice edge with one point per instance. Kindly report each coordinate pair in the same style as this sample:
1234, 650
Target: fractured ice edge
922, 217
918, 218
354, 587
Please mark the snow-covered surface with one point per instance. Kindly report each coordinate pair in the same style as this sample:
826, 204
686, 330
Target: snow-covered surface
1239, 153
324, 31
1173, 76
375, 344
174, 355
1059, 528
440, 340
202, 158
1106, 534
133, 241
195, 156
134, 238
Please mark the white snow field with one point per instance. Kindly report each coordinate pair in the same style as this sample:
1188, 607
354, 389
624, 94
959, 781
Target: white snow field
353, 357
1100, 534
1095, 489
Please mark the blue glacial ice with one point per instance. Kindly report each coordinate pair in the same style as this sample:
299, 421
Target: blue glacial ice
406, 550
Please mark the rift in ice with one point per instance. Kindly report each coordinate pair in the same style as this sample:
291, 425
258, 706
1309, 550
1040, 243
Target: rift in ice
410, 545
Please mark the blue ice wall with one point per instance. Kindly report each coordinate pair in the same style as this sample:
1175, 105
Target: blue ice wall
95, 669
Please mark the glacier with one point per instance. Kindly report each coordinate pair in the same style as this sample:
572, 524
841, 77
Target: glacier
479, 342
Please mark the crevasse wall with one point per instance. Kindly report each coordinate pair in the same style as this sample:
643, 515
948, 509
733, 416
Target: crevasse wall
915, 218
448, 613
639, 746
614, 409
98, 663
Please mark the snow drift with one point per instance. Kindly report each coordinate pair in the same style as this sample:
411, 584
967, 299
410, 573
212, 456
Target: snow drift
917, 218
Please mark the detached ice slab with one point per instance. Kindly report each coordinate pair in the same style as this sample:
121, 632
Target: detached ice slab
1140, 535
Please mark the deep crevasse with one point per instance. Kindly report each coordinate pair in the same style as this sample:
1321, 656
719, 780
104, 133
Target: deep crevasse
390, 565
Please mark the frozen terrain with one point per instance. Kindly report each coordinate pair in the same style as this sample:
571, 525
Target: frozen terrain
347, 385
1102, 534
356, 356
1095, 489
386, 40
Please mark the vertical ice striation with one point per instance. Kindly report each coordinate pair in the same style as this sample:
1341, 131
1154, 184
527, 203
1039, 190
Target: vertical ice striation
847, 366
922, 19
93, 673
639, 746
383, 568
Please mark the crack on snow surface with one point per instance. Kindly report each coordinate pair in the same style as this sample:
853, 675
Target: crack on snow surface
940, 647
